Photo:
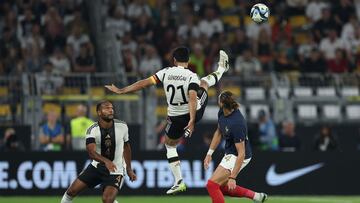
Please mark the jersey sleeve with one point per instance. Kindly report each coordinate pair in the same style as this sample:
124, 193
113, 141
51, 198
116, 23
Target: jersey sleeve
126, 134
90, 135
194, 79
239, 133
159, 76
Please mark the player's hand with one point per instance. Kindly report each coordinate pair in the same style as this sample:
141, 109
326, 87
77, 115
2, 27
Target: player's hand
113, 88
110, 166
189, 129
131, 175
207, 161
231, 184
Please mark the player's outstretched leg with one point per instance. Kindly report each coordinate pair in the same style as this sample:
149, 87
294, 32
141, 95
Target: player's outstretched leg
244, 192
174, 164
75, 188
223, 66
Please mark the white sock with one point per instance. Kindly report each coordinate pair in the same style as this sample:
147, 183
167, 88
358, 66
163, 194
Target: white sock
214, 77
257, 196
172, 155
66, 199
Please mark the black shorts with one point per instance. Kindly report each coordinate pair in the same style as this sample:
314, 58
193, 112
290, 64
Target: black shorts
92, 177
176, 124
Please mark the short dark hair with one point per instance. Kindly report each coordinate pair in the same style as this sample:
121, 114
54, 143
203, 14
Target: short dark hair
98, 105
181, 54
228, 100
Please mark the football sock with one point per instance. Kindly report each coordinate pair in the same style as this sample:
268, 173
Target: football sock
238, 192
215, 192
214, 77
174, 163
66, 198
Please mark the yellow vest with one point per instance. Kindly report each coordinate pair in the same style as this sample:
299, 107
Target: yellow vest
79, 126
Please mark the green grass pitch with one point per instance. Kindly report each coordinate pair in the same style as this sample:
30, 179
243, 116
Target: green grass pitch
182, 199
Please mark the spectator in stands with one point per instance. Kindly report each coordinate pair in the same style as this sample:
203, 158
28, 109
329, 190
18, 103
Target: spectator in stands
267, 132
211, 24
60, 62
47, 82
189, 29
78, 21
343, 9
323, 26
247, 64
143, 29
78, 126
130, 61
51, 133
127, 42
281, 30
288, 140
197, 59
240, 44
138, 8
282, 63
116, 23
325, 140
32, 41
305, 49
314, 64
295, 7
264, 49
340, 63
54, 30
349, 29
314, 9
85, 62
8, 45
26, 24
11, 142
253, 30
75, 40
329, 45
150, 62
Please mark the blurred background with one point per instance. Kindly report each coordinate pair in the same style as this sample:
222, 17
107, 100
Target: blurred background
297, 78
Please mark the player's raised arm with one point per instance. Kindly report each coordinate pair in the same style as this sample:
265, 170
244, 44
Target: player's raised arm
213, 145
141, 84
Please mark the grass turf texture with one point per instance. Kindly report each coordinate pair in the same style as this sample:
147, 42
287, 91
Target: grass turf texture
182, 199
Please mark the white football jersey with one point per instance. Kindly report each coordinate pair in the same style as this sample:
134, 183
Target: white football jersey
176, 81
118, 136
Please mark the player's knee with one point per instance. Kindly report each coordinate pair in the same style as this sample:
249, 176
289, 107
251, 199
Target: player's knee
106, 198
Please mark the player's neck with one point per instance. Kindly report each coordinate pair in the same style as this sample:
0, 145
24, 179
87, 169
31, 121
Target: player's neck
106, 124
185, 65
227, 111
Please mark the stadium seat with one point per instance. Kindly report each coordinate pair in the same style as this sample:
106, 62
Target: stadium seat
70, 110
326, 92
283, 92
47, 107
303, 92
349, 91
232, 20
331, 111
71, 90
307, 111
255, 108
234, 89
255, 93
298, 21
301, 38
5, 110
247, 20
97, 91
161, 111
226, 4
212, 92
4, 91
353, 112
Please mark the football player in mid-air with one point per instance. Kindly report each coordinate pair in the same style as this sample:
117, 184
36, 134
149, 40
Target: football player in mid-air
186, 96
231, 126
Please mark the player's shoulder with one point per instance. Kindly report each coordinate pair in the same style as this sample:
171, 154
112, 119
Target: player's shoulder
120, 122
94, 125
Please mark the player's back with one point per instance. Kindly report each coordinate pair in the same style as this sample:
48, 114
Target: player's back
176, 81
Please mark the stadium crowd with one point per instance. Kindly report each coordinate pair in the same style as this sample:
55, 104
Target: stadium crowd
52, 38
